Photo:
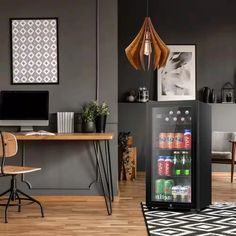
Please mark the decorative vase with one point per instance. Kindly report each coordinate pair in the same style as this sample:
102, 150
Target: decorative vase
206, 94
212, 97
88, 127
101, 123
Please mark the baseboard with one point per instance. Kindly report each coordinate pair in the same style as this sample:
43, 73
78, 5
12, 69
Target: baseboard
73, 198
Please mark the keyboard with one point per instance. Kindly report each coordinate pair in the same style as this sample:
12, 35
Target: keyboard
40, 132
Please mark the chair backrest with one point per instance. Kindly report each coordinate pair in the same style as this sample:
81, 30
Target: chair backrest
10, 145
220, 141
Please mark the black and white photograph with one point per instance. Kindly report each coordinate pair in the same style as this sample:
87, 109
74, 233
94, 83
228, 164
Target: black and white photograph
34, 51
176, 80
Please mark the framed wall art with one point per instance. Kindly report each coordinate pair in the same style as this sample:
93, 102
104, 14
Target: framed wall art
176, 80
227, 93
34, 50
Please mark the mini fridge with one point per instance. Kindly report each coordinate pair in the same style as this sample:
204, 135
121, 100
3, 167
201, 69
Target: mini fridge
178, 166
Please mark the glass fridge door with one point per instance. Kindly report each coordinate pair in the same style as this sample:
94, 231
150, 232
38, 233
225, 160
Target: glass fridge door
171, 154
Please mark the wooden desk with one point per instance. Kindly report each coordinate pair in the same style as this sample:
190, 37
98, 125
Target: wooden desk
103, 160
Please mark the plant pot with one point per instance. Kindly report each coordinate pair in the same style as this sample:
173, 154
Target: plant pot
101, 123
88, 127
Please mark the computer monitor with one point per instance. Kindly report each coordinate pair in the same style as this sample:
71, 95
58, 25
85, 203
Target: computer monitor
24, 108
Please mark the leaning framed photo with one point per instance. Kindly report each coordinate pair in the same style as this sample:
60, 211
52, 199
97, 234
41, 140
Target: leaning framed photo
34, 50
177, 79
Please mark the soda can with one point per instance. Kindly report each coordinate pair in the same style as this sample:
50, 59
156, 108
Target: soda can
178, 140
168, 189
159, 189
168, 166
161, 165
187, 138
170, 140
162, 140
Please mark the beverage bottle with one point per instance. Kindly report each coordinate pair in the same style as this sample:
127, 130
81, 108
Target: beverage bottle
175, 193
178, 164
168, 166
174, 165
167, 119
183, 163
187, 167
187, 117
161, 165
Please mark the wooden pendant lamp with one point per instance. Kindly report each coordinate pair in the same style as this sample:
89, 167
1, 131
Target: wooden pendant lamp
145, 43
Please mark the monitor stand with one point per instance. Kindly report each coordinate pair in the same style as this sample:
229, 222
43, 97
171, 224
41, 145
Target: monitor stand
26, 128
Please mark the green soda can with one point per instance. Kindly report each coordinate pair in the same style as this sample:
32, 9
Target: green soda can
159, 184
168, 189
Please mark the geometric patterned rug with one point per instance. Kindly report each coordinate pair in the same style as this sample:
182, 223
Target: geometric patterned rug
218, 219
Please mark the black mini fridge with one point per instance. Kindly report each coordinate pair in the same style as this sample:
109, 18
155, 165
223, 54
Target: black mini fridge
178, 167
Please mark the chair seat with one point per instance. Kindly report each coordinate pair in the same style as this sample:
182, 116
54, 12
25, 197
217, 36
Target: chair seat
221, 155
14, 170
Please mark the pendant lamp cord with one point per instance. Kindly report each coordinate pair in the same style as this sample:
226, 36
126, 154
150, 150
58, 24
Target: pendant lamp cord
147, 7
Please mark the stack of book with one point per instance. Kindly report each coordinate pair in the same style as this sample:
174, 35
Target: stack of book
65, 122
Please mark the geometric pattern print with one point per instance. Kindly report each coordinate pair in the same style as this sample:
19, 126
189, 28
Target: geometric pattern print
218, 219
34, 51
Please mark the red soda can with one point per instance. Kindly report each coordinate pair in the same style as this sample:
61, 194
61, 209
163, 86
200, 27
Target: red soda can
162, 140
179, 140
168, 166
187, 138
170, 140
161, 165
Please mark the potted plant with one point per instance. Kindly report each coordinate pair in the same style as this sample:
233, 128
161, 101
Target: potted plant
88, 114
102, 111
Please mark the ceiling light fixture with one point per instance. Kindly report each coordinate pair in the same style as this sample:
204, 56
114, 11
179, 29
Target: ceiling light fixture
145, 43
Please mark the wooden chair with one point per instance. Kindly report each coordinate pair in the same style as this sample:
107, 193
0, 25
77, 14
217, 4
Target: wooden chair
222, 150
8, 148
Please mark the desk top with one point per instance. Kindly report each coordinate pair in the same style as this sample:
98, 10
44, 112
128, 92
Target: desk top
70, 136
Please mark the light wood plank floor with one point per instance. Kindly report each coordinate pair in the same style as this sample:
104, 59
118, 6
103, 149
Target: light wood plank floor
74, 217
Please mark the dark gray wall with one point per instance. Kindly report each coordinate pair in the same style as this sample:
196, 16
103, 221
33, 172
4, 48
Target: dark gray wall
68, 165
208, 24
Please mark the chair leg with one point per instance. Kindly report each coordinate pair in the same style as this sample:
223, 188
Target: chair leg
232, 163
232, 172
7, 205
9, 190
32, 199
19, 207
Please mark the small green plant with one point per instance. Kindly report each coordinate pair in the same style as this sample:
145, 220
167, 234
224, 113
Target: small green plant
102, 109
88, 112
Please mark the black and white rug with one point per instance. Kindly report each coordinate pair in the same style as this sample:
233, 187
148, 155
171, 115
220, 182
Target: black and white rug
219, 220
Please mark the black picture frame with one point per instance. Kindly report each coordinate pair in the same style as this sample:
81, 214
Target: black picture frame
34, 51
227, 93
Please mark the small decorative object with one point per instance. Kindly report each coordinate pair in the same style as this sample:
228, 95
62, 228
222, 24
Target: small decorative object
143, 94
88, 115
176, 80
206, 94
131, 96
65, 122
34, 49
212, 97
227, 93
102, 111
127, 157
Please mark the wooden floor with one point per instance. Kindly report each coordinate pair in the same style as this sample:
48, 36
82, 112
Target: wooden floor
90, 218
